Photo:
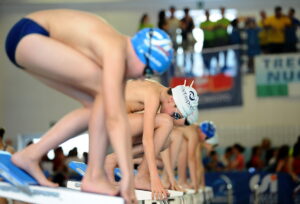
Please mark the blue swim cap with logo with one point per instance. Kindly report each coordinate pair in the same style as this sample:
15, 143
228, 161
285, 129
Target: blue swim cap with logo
154, 45
208, 128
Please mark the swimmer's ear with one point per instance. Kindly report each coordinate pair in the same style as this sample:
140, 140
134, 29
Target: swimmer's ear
170, 99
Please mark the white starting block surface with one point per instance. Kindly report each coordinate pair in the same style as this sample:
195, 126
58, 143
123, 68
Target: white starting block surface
146, 195
200, 196
209, 193
190, 191
140, 194
46, 195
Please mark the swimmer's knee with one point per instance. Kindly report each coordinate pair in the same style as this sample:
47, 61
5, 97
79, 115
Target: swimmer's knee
165, 120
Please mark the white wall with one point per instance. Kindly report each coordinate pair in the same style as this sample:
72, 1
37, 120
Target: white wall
27, 106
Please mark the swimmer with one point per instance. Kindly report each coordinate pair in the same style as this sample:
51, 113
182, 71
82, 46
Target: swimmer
80, 55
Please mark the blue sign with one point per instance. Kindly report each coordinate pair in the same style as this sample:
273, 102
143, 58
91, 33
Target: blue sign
247, 188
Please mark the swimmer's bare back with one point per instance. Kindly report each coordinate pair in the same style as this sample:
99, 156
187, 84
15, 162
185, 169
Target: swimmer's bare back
62, 25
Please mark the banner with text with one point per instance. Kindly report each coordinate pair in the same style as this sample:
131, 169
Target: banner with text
278, 75
218, 90
248, 188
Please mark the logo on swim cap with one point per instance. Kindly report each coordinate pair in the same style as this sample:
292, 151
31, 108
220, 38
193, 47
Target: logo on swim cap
192, 95
155, 45
186, 99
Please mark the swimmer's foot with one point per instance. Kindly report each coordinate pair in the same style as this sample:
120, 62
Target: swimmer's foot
109, 166
31, 165
142, 182
99, 185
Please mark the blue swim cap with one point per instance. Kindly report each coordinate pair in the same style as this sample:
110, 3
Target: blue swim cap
158, 49
208, 128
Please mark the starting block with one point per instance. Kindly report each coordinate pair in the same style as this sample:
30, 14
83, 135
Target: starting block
19, 185
190, 196
140, 194
208, 193
46, 195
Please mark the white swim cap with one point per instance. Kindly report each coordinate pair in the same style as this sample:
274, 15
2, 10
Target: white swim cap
185, 98
193, 117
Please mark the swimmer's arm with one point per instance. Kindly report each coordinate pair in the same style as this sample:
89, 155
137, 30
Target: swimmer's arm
151, 105
116, 118
182, 163
166, 158
192, 144
201, 172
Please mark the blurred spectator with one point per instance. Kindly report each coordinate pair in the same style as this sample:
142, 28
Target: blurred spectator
3, 200
238, 163
285, 162
47, 166
253, 47
85, 157
276, 26
227, 158
235, 35
208, 28
4, 146
73, 156
265, 148
59, 167
297, 144
162, 21
282, 159
296, 157
188, 41
255, 160
213, 163
235, 38
271, 158
145, 22
295, 162
173, 24
163, 24
291, 39
263, 35
7, 146
222, 36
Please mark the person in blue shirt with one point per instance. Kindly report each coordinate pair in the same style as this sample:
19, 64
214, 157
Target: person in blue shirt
252, 41
291, 39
